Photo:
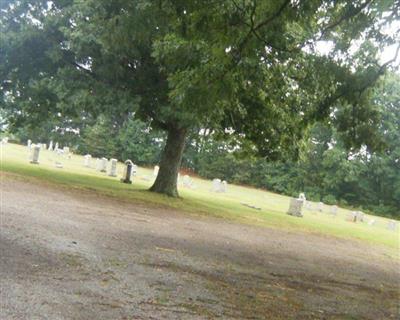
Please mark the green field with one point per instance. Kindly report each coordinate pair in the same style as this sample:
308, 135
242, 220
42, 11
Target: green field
199, 200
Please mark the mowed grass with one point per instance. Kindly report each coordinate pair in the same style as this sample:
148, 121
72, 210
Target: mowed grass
199, 200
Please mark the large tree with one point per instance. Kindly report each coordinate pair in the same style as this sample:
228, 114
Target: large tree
251, 69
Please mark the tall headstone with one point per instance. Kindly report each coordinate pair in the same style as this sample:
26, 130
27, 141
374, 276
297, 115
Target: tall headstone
98, 164
35, 154
216, 185
223, 186
155, 171
113, 168
51, 146
295, 207
29, 143
86, 161
127, 174
103, 167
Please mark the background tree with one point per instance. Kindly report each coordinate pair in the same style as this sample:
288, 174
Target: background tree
251, 68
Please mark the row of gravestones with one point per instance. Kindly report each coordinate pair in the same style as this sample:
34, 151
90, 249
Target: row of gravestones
35, 151
102, 164
296, 205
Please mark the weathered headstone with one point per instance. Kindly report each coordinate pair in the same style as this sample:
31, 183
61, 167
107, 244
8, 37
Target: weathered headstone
113, 168
35, 154
86, 161
127, 174
352, 216
29, 143
392, 225
51, 146
44, 146
295, 207
216, 185
224, 186
103, 166
155, 171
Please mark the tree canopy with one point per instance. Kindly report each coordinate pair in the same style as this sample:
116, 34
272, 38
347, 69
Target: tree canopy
250, 71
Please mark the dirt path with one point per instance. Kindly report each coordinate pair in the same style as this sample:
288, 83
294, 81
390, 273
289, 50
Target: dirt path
70, 255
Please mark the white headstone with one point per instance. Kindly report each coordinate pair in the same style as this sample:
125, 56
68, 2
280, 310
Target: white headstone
113, 168
98, 164
216, 185
155, 171
302, 197
392, 225
223, 186
51, 146
187, 182
103, 167
86, 161
44, 146
352, 216
295, 207
29, 143
35, 154
66, 151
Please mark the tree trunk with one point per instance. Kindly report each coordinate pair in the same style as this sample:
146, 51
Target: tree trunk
166, 181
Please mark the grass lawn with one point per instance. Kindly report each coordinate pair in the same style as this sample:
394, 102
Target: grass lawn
199, 200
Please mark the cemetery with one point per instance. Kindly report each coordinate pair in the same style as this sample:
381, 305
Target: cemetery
200, 159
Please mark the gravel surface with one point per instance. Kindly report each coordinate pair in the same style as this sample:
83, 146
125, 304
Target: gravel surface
77, 255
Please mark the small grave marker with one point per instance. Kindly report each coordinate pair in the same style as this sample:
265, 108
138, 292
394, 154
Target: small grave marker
86, 161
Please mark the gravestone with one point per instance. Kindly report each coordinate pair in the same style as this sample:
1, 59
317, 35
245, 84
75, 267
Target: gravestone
302, 197
127, 174
113, 168
216, 185
295, 207
35, 154
392, 225
334, 210
103, 165
352, 216
155, 171
66, 151
186, 181
360, 216
44, 146
223, 186
98, 164
86, 161
58, 165
29, 143
51, 146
